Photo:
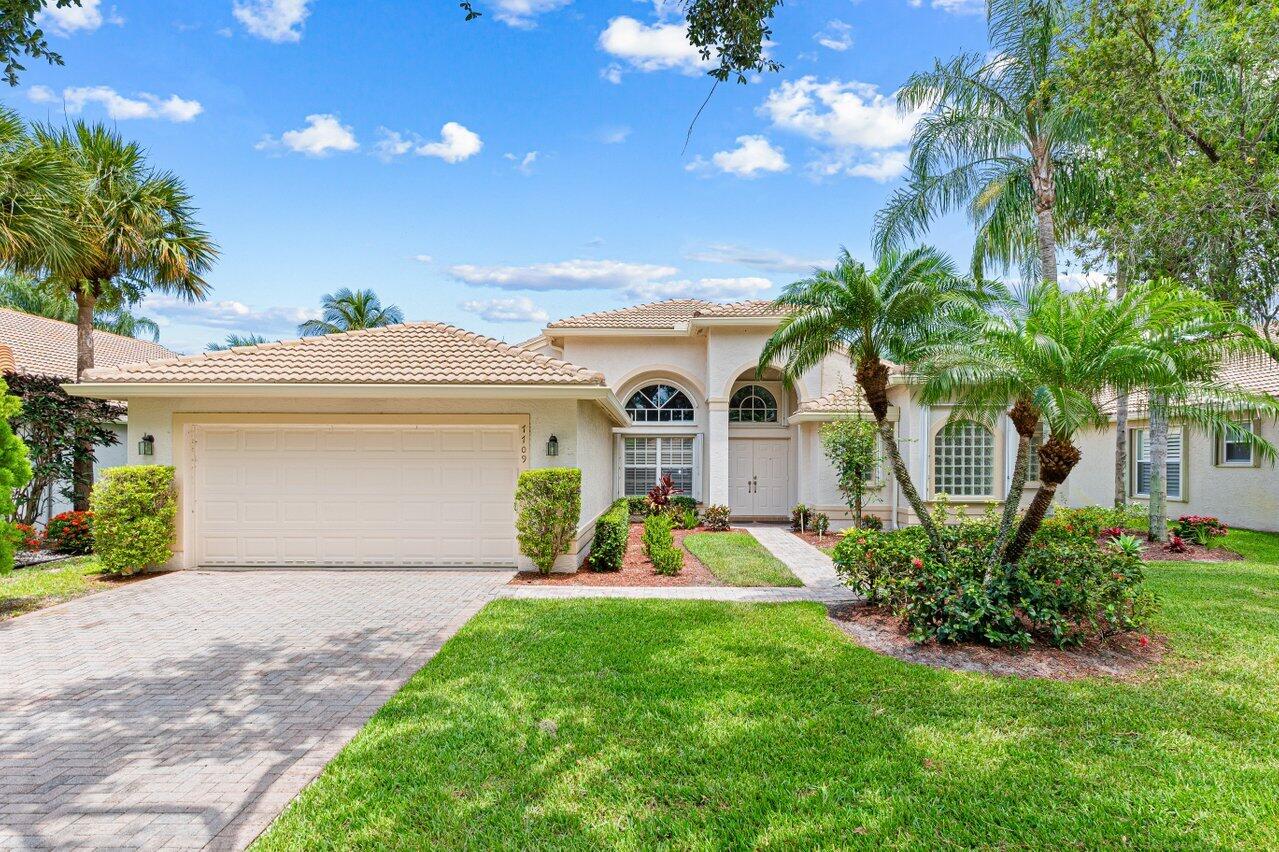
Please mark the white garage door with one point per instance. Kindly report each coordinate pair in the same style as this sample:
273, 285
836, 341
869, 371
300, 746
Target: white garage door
429, 496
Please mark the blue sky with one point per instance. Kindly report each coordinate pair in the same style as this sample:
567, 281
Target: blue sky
495, 173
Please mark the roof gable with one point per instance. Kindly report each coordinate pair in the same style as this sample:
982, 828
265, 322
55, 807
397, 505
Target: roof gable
47, 347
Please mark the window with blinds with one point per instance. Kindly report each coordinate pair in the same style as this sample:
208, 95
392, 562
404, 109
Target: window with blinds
646, 460
1141, 464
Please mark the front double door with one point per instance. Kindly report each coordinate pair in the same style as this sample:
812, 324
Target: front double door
759, 477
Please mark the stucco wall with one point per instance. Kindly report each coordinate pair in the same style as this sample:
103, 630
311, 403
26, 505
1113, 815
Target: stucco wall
622, 359
1241, 496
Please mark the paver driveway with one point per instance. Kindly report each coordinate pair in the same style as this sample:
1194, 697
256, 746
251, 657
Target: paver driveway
187, 710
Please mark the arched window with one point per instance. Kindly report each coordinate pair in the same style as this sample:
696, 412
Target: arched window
752, 404
964, 460
660, 404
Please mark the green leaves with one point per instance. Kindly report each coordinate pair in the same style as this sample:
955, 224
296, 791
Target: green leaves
548, 502
134, 515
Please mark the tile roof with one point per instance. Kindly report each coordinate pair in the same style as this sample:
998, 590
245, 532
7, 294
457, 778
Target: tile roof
48, 347
750, 308
409, 353
1257, 373
651, 315
849, 398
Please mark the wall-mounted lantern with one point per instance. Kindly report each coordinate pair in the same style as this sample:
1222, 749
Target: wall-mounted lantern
553, 447
146, 447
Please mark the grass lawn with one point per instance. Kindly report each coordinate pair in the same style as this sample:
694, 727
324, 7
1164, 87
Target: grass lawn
738, 559
27, 589
708, 725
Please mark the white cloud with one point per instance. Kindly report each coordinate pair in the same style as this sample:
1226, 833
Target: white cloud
611, 73
766, 259
955, 7
523, 13
860, 128
518, 309
456, 144
227, 314
614, 135
523, 163
836, 35
752, 156
323, 134
563, 275
715, 289
118, 107
649, 47
66, 20
423, 258
391, 144
274, 20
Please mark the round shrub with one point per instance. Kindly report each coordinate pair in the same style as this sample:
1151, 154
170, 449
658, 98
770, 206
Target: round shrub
133, 512
70, 532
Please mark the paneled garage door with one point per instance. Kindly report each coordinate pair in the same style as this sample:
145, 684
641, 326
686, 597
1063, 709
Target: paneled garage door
428, 496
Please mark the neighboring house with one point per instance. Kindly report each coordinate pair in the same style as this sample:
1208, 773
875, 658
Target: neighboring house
400, 446
47, 347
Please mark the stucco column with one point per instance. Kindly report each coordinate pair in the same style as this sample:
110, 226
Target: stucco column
717, 452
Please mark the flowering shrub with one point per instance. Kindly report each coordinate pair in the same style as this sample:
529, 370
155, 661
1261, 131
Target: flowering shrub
29, 538
716, 518
1176, 544
1112, 532
1201, 529
70, 532
1065, 589
1095, 520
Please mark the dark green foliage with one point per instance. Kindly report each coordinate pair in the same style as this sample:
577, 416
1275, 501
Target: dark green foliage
659, 545
686, 519
683, 503
608, 549
799, 518
15, 472
638, 505
548, 502
20, 35
1065, 589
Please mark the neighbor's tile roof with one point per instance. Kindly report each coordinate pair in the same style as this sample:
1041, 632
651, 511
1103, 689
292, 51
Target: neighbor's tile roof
750, 308
47, 347
1256, 373
410, 353
848, 398
652, 315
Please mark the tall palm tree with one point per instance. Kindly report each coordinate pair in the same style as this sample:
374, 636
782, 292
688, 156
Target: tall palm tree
233, 340
889, 313
351, 310
36, 187
997, 141
137, 224
138, 233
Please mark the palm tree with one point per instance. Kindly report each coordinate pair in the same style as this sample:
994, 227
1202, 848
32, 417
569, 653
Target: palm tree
36, 187
233, 340
351, 310
998, 142
138, 228
887, 313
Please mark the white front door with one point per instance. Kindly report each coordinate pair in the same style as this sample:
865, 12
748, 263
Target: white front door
758, 477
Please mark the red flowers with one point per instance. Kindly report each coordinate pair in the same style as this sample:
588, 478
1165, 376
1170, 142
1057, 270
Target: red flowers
917, 562
1143, 641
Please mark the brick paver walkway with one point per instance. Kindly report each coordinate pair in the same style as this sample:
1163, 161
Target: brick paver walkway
814, 568
186, 711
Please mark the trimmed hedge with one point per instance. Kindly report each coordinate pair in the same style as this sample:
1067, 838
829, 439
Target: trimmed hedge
134, 511
659, 544
608, 548
548, 503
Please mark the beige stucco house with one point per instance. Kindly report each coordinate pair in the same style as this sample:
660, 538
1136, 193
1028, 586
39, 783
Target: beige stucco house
400, 446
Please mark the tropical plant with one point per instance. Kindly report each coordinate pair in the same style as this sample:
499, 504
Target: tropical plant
821, 524
36, 188
661, 495
799, 517
70, 532
851, 445
15, 472
351, 310
23, 293
1128, 545
998, 141
134, 518
1203, 530
231, 341
716, 518
548, 503
889, 313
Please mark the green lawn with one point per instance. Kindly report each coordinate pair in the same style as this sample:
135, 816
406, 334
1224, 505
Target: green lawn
737, 559
707, 725
26, 589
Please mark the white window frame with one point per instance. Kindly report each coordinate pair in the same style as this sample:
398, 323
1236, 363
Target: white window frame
695, 489
1224, 442
938, 487
756, 389
1139, 449
682, 421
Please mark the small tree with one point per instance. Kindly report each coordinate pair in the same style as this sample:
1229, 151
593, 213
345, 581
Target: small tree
15, 471
548, 502
48, 423
851, 447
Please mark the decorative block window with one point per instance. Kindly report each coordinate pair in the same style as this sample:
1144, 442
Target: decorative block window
660, 404
1175, 470
752, 404
964, 460
646, 460
1233, 451
1036, 441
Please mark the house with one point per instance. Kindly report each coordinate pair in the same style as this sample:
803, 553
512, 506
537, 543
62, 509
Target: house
400, 446
41, 346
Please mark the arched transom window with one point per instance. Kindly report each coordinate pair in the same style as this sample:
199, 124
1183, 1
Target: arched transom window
752, 404
964, 460
660, 404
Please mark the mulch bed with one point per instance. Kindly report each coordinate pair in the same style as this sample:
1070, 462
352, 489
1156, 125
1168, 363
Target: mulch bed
1120, 657
822, 543
636, 569
1159, 552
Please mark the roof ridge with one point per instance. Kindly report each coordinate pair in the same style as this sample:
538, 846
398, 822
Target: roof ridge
631, 308
566, 367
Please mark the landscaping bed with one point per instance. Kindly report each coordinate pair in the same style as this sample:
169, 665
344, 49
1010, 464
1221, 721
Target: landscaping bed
824, 543
636, 569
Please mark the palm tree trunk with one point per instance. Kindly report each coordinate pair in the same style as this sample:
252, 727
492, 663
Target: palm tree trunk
1057, 458
1045, 189
82, 464
1044, 233
1121, 451
1025, 419
902, 476
1158, 469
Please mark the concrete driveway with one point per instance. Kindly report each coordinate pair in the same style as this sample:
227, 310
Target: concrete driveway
185, 711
